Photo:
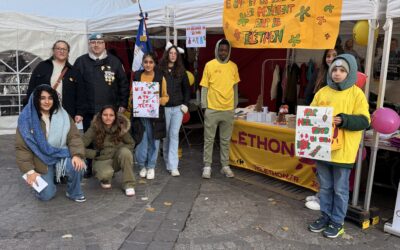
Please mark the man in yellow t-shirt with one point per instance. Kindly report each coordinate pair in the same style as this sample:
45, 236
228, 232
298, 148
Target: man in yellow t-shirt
219, 97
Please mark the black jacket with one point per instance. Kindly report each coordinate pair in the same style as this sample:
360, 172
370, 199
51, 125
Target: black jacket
105, 82
73, 91
158, 124
178, 89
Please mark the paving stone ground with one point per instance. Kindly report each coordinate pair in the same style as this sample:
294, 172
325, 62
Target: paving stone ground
183, 212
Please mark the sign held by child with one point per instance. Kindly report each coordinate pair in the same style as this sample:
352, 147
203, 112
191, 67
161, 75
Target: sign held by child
314, 132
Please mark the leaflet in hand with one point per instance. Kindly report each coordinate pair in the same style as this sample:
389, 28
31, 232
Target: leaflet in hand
41, 184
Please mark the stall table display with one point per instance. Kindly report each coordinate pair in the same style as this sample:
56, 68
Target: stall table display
270, 150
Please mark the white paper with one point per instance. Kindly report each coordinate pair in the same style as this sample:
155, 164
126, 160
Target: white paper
79, 125
41, 184
196, 36
146, 99
313, 132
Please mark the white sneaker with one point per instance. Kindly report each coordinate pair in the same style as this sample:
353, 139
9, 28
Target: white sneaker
313, 205
312, 198
143, 172
130, 192
105, 185
206, 173
175, 172
227, 171
150, 174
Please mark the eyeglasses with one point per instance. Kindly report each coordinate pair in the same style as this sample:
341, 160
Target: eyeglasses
148, 62
61, 49
94, 42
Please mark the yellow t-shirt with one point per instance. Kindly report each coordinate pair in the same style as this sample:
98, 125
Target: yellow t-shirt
220, 78
351, 101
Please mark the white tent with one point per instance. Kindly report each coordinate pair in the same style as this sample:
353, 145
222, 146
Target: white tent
28, 29
33, 26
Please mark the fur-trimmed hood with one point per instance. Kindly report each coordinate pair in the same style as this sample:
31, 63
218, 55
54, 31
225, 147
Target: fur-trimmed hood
122, 121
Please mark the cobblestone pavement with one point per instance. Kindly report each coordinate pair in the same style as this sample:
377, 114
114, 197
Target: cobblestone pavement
183, 212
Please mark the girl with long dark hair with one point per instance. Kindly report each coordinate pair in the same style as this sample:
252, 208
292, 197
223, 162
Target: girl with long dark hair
178, 89
112, 142
48, 144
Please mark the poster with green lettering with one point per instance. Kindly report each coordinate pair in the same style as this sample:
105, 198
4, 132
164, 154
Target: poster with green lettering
314, 132
305, 24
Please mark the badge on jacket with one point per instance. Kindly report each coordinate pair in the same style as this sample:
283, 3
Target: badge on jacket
109, 76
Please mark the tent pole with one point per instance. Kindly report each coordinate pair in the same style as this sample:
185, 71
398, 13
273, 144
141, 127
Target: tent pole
368, 72
167, 34
175, 37
388, 27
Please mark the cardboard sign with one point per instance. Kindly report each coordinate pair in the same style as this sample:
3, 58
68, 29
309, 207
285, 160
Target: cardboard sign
314, 132
196, 36
307, 24
146, 99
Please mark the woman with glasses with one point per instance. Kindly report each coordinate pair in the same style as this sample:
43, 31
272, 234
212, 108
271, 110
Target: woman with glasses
178, 89
63, 77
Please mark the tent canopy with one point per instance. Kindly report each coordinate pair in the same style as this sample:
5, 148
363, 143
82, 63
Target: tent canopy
393, 9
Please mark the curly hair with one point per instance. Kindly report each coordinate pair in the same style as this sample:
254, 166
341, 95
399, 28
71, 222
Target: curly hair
37, 94
178, 69
100, 128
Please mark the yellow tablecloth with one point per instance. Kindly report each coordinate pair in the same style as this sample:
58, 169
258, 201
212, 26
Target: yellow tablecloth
270, 150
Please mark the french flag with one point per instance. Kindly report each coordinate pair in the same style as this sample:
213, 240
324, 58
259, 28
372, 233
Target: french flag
142, 44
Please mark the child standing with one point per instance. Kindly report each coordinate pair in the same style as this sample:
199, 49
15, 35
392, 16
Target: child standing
350, 115
149, 131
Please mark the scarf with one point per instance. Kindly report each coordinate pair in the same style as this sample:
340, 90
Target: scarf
54, 151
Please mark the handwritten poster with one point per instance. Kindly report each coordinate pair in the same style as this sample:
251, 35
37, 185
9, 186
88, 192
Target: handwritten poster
196, 36
314, 132
306, 24
146, 99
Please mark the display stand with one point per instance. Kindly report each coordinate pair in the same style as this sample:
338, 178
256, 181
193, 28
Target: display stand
394, 227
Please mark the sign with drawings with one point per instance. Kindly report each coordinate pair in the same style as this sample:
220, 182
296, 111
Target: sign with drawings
146, 99
314, 132
196, 36
307, 24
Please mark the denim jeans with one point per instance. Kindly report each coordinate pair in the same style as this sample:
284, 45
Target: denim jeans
147, 151
334, 190
73, 184
173, 120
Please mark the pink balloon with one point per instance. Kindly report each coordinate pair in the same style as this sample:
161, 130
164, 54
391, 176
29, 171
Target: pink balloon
361, 79
385, 120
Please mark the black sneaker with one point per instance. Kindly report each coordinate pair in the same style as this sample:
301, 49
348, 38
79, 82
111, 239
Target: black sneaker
319, 225
333, 230
79, 199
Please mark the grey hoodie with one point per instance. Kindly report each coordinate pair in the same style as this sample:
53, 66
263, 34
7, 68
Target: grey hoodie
351, 78
216, 51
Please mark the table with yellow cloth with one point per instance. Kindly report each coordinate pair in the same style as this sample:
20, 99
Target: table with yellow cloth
270, 150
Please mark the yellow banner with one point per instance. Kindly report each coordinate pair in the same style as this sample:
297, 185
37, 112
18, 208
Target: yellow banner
270, 150
305, 24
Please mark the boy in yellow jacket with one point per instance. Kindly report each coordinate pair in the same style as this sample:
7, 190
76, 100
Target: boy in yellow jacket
351, 116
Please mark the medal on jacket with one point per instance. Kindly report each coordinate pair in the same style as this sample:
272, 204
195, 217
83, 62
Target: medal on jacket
109, 76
